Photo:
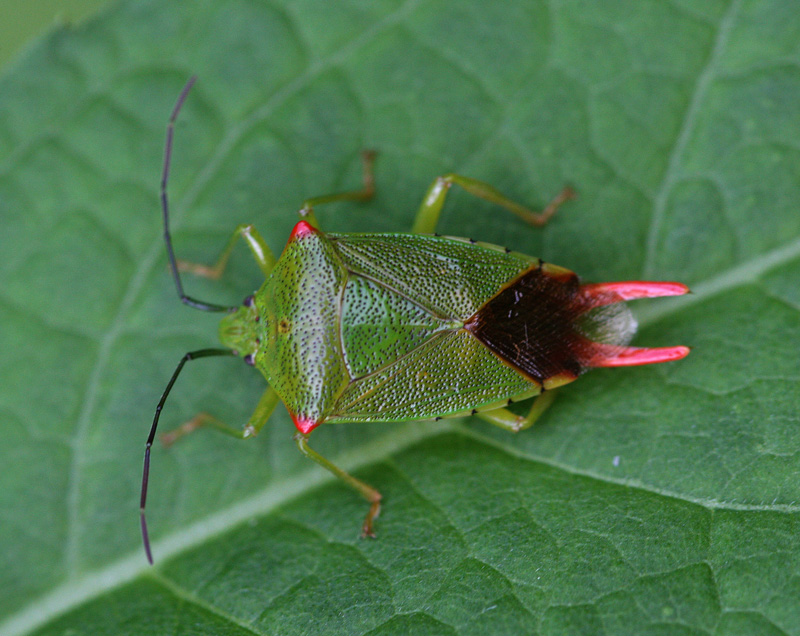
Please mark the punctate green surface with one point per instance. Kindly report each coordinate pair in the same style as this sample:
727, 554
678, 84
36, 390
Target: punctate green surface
658, 500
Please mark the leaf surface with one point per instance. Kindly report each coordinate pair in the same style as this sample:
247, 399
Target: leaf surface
657, 500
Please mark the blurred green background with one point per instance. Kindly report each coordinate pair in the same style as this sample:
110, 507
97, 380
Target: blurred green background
22, 20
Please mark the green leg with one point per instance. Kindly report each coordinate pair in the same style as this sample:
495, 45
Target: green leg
364, 194
507, 420
368, 492
428, 213
254, 240
266, 405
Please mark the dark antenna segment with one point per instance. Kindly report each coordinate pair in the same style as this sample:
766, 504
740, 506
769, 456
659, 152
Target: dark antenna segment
192, 355
173, 265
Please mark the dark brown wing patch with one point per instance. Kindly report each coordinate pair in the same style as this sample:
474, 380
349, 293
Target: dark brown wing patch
530, 324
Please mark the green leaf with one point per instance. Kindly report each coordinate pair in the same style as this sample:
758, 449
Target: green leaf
658, 500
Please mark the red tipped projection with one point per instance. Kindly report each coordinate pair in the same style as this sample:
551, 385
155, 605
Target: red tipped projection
611, 356
304, 424
599, 294
303, 228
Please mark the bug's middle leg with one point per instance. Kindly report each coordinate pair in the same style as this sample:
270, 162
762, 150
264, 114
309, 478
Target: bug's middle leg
513, 423
366, 192
428, 214
368, 492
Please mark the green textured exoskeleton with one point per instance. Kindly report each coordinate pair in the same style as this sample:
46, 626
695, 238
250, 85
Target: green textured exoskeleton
392, 327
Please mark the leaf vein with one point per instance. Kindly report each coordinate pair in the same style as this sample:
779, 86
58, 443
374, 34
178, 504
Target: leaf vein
687, 127
185, 595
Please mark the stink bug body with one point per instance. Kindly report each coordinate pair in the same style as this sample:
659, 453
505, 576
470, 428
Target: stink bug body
390, 327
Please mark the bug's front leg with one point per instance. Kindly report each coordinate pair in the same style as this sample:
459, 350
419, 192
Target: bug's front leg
366, 192
258, 247
266, 405
428, 214
368, 492
513, 423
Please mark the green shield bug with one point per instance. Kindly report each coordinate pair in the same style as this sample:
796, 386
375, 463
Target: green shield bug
414, 326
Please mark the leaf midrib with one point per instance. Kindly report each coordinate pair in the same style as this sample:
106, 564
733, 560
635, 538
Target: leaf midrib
94, 584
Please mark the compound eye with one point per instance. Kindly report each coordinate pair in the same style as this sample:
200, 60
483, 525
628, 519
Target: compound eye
250, 359
248, 302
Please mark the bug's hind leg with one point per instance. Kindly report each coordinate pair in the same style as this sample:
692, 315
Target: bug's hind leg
366, 192
368, 492
513, 423
428, 214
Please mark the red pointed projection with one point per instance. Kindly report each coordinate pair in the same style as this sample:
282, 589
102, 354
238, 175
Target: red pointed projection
599, 294
602, 294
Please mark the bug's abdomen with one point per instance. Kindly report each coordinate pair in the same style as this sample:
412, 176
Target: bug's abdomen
540, 325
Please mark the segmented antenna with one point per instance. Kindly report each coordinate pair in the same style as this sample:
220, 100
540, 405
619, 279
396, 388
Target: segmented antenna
173, 265
192, 355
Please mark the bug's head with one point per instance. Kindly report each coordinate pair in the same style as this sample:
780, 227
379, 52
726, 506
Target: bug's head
239, 330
